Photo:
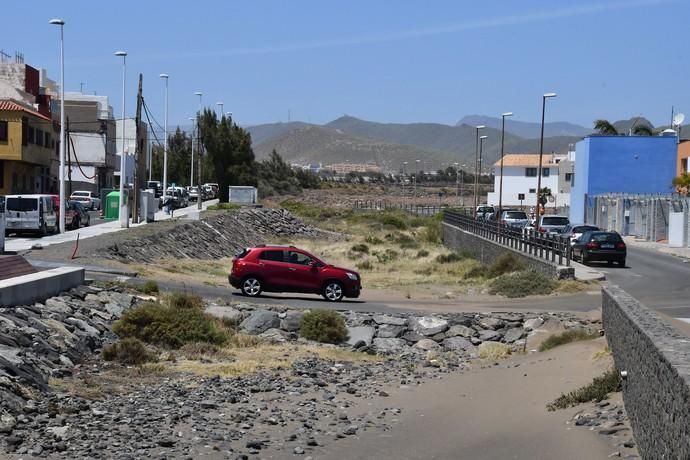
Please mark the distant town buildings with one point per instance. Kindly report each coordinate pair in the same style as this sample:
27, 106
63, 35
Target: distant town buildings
345, 168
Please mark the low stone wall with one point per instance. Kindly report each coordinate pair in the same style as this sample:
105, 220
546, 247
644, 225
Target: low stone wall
656, 390
486, 251
36, 287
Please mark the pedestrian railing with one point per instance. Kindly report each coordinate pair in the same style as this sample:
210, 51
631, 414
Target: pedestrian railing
417, 209
549, 247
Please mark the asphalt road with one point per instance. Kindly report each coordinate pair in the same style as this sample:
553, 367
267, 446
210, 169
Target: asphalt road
660, 281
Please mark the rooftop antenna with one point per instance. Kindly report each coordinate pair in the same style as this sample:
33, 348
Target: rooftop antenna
678, 120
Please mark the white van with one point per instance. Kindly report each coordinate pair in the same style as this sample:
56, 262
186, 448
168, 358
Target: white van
30, 213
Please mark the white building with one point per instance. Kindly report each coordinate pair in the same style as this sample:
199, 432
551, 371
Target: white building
520, 180
130, 148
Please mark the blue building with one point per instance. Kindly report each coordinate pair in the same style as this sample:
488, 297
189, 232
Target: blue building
621, 164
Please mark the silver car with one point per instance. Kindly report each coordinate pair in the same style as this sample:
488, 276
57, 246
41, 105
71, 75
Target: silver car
553, 224
514, 218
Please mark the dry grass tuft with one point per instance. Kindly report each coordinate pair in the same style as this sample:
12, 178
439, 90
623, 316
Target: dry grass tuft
494, 351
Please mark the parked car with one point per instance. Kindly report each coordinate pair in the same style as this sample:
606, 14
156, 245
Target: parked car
156, 186
574, 231
552, 224
600, 247
484, 211
179, 196
193, 193
514, 218
31, 213
270, 268
80, 216
88, 199
214, 188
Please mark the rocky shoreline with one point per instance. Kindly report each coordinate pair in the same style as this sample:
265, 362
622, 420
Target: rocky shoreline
277, 413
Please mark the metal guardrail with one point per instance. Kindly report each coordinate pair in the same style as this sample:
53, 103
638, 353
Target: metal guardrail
417, 209
549, 247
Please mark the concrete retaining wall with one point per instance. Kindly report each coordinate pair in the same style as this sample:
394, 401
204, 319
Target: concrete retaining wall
657, 388
37, 287
486, 251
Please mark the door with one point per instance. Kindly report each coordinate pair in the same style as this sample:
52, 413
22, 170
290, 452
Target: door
273, 269
49, 215
301, 273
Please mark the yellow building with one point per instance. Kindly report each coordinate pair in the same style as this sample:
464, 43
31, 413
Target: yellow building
28, 144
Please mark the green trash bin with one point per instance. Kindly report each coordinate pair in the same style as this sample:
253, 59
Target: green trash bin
111, 210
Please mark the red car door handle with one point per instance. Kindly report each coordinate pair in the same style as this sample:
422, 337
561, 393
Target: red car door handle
262, 265
292, 269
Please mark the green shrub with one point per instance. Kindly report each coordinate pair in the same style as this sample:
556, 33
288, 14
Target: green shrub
422, 253
325, 326
128, 351
449, 258
393, 220
365, 265
363, 248
223, 206
521, 284
386, 256
505, 263
475, 271
406, 241
596, 391
149, 287
182, 300
571, 335
170, 326
433, 233
373, 240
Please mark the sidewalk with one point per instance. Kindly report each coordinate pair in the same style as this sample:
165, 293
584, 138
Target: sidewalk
23, 244
585, 273
683, 253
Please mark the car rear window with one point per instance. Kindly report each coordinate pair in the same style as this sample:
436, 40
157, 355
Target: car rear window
242, 253
80, 194
276, 256
516, 215
22, 204
606, 237
555, 221
584, 228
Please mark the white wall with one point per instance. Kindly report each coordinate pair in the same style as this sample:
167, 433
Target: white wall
515, 182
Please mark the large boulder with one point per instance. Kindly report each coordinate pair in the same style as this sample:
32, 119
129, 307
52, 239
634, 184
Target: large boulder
229, 313
489, 336
388, 331
491, 323
291, 321
532, 324
7, 422
389, 346
275, 335
459, 344
428, 325
260, 321
513, 335
427, 344
387, 319
460, 330
360, 335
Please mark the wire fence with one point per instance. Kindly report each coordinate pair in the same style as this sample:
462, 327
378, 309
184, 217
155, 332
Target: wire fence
416, 209
550, 247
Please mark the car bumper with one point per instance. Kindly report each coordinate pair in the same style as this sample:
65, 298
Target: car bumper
605, 256
353, 291
234, 281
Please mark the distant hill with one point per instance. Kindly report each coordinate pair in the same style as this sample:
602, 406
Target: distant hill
528, 129
265, 132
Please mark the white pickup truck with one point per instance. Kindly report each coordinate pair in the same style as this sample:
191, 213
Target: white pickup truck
87, 199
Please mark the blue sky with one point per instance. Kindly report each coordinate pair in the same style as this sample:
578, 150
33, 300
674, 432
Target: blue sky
388, 61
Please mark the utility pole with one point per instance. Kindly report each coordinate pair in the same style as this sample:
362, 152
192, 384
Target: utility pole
139, 162
69, 160
198, 158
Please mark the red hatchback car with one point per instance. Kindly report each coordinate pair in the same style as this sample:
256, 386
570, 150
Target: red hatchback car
289, 269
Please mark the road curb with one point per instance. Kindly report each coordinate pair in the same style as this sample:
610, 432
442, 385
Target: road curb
45, 264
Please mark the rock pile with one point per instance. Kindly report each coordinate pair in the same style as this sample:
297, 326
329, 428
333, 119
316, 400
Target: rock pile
41, 341
609, 419
216, 235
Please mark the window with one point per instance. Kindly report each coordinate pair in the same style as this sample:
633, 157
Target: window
31, 135
531, 172
25, 131
48, 140
39, 137
3, 131
22, 204
545, 172
275, 256
533, 190
298, 258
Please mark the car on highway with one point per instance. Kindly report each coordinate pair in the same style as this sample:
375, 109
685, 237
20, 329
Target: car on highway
275, 268
77, 214
88, 199
514, 218
552, 224
574, 231
599, 246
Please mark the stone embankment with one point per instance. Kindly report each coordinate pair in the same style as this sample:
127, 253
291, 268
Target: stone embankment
293, 411
216, 235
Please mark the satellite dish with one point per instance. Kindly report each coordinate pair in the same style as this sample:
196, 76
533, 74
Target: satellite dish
678, 119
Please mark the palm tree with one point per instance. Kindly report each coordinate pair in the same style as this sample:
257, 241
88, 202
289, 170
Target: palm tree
605, 128
643, 130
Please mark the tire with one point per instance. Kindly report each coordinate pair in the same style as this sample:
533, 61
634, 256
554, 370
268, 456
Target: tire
251, 286
333, 291
76, 223
88, 221
583, 258
44, 229
622, 263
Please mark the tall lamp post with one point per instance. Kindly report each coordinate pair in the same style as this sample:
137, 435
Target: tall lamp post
541, 149
191, 171
481, 148
198, 151
61, 175
457, 181
124, 215
416, 178
476, 166
500, 186
165, 134
221, 109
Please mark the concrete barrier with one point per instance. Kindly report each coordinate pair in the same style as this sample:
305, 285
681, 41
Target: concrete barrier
656, 389
486, 251
37, 287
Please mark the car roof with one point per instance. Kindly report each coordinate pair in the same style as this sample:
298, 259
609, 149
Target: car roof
559, 216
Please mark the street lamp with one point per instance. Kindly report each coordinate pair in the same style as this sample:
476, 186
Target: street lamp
500, 187
228, 114
541, 148
416, 176
165, 134
61, 175
191, 173
221, 108
198, 154
476, 164
481, 147
457, 181
124, 216
403, 179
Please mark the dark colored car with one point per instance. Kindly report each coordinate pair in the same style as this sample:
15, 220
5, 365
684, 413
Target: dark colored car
575, 231
289, 269
598, 246
80, 215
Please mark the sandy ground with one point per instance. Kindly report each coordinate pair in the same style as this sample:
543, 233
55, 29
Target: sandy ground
496, 412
